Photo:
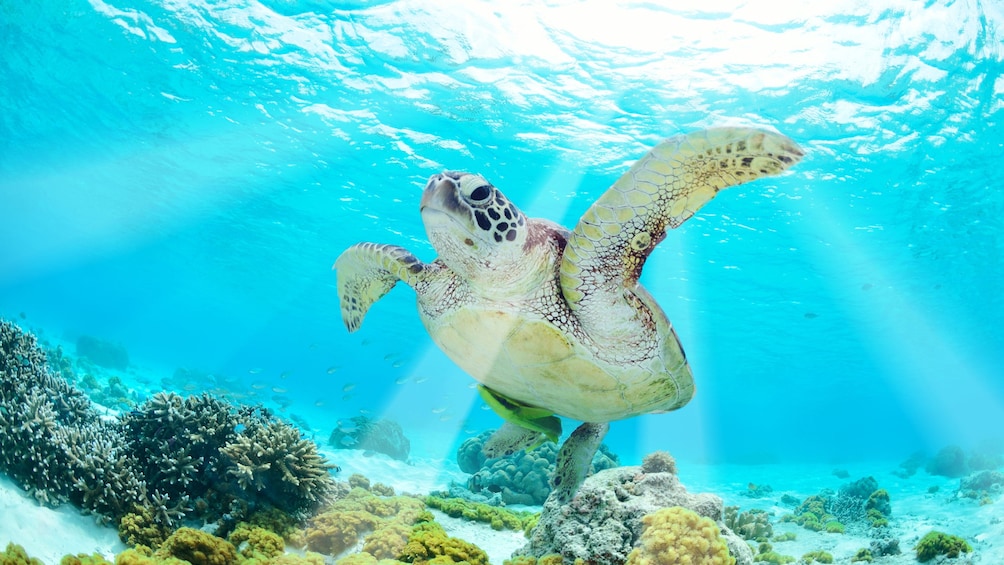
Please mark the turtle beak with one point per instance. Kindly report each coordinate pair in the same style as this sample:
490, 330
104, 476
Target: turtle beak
440, 192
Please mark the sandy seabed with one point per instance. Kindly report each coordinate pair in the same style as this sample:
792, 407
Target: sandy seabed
51, 533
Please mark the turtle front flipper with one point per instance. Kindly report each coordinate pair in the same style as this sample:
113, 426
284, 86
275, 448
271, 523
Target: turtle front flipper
575, 459
367, 271
609, 245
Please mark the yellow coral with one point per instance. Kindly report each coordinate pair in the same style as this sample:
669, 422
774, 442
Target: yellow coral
139, 528
388, 540
429, 545
678, 536
84, 559
16, 555
261, 543
334, 531
310, 558
198, 548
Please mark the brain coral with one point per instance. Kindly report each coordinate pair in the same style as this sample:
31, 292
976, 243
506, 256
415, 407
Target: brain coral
677, 536
520, 478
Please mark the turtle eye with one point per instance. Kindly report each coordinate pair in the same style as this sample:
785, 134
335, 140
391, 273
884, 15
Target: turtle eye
480, 193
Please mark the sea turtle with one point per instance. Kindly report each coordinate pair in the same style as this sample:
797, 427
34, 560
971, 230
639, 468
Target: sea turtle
554, 322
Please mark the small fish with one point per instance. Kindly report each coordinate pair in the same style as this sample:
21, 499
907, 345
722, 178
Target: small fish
364, 411
313, 346
389, 356
346, 397
257, 386
365, 342
347, 441
401, 381
285, 374
811, 315
445, 418
397, 364
332, 370
254, 371
319, 403
279, 390
420, 380
22, 315
348, 387
438, 410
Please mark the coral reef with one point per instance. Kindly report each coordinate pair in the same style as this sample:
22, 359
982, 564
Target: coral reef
981, 485
168, 459
345, 521
603, 521
520, 478
817, 556
677, 536
766, 554
382, 436
103, 353
937, 543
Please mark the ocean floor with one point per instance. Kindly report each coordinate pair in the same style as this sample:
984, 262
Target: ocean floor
51, 533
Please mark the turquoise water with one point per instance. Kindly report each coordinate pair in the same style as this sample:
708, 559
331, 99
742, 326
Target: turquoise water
179, 177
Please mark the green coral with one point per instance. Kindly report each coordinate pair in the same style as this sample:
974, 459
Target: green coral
753, 524
388, 540
677, 536
766, 554
833, 527
862, 555
498, 518
429, 544
817, 556
16, 555
937, 543
359, 513
550, 559
786, 536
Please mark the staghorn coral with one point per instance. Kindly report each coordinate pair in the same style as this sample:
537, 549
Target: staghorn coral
272, 463
603, 521
520, 478
678, 536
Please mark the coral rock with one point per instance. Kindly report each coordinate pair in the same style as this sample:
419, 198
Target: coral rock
603, 521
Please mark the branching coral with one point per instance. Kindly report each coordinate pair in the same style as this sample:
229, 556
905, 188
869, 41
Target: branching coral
678, 536
271, 461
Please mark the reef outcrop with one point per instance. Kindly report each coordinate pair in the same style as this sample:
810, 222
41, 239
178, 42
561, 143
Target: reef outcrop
604, 521
383, 436
520, 478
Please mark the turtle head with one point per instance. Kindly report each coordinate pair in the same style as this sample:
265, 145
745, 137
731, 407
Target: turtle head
472, 225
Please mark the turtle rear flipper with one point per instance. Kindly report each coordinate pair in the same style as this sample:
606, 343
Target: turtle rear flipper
609, 245
575, 458
367, 271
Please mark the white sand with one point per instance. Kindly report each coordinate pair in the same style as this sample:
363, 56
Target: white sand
51, 533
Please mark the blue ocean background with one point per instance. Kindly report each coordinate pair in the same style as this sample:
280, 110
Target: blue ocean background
179, 177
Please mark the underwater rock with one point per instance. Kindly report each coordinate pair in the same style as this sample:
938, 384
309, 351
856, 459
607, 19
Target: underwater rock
383, 436
603, 521
520, 478
949, 462
104, 353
